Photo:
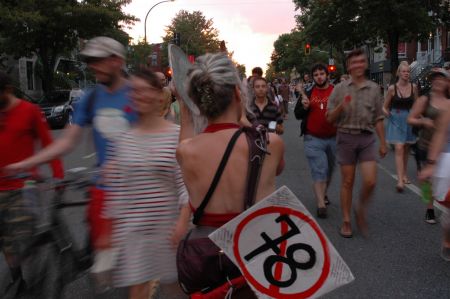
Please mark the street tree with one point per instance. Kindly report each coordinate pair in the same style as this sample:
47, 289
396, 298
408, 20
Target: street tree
350, 23
197, 33
289, 52
51, 28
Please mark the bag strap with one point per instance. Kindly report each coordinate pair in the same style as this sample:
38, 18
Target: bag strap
200, 210
257, 142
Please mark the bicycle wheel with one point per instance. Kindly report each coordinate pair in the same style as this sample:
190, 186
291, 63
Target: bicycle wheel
43, 273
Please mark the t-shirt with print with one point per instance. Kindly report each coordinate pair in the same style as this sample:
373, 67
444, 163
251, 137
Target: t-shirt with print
317, 124
110, 115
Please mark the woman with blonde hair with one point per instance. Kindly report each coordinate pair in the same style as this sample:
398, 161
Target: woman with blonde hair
400, 98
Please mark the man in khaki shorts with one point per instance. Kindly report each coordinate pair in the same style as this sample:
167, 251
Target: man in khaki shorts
355, 106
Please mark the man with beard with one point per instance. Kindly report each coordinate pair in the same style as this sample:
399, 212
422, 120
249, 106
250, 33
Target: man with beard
21, 125
319, 134
107, 107
355, 107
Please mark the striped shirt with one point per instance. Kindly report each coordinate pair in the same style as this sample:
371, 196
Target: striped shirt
269, 113
144, 192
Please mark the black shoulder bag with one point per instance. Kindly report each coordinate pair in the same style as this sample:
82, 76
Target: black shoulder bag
201, 265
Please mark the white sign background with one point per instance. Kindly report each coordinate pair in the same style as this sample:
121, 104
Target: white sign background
246, 230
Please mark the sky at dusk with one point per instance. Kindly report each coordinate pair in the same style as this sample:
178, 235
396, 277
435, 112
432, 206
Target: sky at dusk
249, 27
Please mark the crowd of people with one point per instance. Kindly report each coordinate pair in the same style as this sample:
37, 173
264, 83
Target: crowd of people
157, 173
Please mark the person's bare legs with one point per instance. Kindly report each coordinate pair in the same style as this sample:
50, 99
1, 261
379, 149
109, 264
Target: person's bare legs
140, 291
399, 163
405, 162
369, 179
320, 189
348, 179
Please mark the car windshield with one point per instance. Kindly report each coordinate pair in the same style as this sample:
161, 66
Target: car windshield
56, 97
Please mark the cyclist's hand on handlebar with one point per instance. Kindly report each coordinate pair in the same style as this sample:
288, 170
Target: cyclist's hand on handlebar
16, 168
59, 184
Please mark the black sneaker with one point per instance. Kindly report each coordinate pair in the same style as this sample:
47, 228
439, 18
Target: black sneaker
429, 217
322, 213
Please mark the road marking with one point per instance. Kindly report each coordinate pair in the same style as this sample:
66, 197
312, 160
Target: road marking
89, 156
411, 187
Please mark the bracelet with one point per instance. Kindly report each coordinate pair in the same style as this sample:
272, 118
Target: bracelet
431, 162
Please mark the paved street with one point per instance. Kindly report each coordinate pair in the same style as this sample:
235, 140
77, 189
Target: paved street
400, 259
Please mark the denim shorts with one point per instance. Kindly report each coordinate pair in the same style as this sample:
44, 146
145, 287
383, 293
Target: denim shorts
321, 155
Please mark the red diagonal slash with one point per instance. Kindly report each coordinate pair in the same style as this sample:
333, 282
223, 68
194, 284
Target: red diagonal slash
279, 266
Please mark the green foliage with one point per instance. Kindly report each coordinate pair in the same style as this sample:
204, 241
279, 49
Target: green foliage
50, 28
350, 23
289, 53
241, 69
197, 34
138, 55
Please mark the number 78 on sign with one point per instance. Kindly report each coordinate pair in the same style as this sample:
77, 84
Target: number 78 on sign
281, 250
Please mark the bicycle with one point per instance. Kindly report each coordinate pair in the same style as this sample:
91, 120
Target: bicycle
51, 254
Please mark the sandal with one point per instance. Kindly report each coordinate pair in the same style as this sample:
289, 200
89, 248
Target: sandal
327, 201
406, 181
399, 188
345, 234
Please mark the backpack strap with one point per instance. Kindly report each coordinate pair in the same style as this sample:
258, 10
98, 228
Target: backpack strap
200, 210
257, 142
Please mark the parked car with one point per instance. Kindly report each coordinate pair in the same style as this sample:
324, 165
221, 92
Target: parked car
58, 106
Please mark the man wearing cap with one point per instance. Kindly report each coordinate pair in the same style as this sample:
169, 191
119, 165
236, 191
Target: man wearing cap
107, 107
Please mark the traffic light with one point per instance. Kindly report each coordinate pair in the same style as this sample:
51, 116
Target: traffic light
169, 74
176, 38
331, 68
307, 49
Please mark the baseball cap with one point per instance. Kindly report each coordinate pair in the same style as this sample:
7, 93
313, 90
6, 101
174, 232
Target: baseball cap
103, 46
435, 72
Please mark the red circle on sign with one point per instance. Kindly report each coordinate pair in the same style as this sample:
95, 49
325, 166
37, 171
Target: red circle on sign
282, 210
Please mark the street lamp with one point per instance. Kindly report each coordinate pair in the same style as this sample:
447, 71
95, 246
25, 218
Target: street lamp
145, 21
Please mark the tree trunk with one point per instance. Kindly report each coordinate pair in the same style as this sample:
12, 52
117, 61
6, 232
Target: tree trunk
47, 71
393, 38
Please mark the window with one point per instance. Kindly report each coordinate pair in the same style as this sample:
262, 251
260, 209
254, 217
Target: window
154, 59
402, 50
30, 75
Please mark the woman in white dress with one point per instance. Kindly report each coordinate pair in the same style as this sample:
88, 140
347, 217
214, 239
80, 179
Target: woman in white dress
146, 197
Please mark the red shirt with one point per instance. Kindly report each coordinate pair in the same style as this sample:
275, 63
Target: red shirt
317, 124
20, 128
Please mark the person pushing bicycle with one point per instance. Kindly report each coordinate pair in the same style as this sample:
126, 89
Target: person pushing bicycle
21, 126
